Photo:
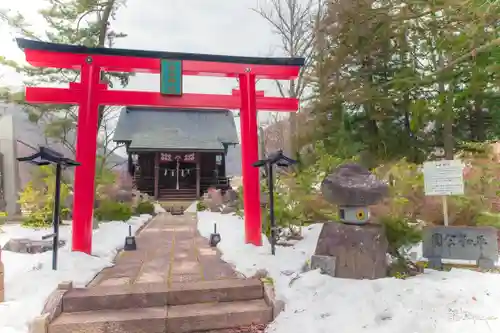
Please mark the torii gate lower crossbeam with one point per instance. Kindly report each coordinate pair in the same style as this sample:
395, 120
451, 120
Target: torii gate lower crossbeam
90, 93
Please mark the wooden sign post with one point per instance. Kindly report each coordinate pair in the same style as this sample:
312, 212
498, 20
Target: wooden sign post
444, 177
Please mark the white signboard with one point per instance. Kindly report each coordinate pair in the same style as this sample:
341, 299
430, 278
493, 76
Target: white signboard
444, 177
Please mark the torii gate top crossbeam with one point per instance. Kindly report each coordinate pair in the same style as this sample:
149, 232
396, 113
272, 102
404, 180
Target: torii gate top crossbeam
42, 54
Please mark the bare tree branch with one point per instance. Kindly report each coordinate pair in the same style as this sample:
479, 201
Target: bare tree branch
106, 133
293, 21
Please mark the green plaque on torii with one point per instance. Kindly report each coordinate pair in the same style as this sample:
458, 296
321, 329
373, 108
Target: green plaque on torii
171, 77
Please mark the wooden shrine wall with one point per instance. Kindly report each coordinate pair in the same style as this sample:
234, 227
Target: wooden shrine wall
212, 168
147, 164
210, 162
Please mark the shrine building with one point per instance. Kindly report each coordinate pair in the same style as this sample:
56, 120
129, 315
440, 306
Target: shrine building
176, 154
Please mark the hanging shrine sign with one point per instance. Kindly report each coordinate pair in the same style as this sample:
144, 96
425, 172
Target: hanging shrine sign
91, 92
180, 157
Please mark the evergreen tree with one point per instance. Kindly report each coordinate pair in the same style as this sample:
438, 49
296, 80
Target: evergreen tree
395, 78
75, 22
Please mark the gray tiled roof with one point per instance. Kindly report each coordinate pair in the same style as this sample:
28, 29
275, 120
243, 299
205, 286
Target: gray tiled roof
176, 128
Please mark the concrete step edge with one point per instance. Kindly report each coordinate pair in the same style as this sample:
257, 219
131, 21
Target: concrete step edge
171, 319
158, 294
217, 316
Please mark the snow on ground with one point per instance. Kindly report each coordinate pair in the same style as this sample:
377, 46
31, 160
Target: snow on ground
29, 278
159, 209
459, 301
192, 208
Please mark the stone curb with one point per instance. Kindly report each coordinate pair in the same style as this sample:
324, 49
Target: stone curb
276, 305
270, 297
51, 310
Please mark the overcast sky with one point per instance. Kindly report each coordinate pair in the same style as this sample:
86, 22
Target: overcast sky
202, 26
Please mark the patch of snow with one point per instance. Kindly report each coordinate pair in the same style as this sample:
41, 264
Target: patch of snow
459, 301
159, 209
248, 259
192, 208
29, 278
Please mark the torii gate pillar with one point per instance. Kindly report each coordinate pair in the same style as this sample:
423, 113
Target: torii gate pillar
249, 155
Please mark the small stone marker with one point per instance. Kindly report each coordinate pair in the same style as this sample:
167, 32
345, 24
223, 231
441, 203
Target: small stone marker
463, 243
354, 248
326, 264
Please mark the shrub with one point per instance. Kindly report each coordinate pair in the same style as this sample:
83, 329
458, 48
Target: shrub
297, 198
284, 213
406, 193
3, 218
106, 182
113, 211
145, 207
200, 206
488, 219
401, 234
481, 179
36, 220
37, 198
297, 192
44, 217
239, 202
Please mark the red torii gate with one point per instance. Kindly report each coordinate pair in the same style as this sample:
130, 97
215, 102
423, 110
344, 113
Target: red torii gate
90, 93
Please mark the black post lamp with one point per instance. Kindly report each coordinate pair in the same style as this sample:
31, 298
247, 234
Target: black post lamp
215, 237
279, 159
46, 156
130, 243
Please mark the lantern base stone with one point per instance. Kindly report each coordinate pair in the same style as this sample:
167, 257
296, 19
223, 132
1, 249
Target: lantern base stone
358, 252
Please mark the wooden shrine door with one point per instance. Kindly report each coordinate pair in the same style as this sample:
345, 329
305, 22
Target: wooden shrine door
177, 171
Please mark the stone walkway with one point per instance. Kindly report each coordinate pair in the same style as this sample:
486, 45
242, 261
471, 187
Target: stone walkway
169, 250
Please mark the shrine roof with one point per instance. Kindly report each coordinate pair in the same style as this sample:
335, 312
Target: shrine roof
175, 129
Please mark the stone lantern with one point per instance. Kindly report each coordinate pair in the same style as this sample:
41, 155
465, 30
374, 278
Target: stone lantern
353, 188
352, 247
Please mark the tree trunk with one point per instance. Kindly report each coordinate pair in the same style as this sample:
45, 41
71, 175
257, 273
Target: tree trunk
477, 122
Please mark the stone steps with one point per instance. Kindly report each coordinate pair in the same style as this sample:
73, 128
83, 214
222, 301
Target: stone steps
172, 319
138, 320
154, 308
184, 194
211, 316
157, 294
